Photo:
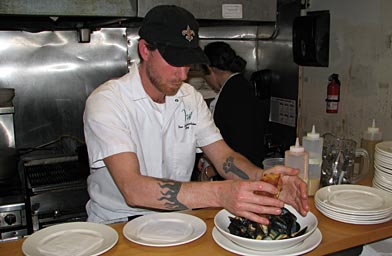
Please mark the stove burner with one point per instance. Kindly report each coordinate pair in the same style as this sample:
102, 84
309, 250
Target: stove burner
56, 189
57, 173
44, 175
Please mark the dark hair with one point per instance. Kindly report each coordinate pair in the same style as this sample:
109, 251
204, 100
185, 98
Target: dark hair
223, 57
205, 70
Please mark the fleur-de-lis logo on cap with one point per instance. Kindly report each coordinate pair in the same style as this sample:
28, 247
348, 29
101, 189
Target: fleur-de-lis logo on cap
188, 33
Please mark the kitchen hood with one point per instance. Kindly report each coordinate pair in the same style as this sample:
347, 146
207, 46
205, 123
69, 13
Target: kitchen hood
247, 10
220, 10
40, 15
102, 8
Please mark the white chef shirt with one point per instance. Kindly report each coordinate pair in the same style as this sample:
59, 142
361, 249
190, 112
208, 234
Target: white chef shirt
121, 117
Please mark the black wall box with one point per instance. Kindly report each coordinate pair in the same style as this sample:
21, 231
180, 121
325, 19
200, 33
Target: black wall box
311, 39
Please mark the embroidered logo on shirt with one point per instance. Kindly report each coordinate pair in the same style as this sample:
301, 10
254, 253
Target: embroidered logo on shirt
188, 33
187, 119
188, 116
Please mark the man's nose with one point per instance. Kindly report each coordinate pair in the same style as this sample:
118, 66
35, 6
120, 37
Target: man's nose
182, 72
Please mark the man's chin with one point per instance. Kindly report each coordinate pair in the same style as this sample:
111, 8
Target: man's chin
172, 91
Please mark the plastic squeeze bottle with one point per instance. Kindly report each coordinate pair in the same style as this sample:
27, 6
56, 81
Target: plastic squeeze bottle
313, 144
298, 158
370, 138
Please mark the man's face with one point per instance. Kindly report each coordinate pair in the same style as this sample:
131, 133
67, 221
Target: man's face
165, 78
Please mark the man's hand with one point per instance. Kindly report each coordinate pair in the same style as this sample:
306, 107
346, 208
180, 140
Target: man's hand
294, 189
239, 198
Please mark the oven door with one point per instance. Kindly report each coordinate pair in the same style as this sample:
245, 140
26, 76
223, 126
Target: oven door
58, 206
12, 219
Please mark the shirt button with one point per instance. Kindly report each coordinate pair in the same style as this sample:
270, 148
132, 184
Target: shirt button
176, 100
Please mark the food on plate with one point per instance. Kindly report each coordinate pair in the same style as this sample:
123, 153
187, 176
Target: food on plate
281, 226
274, 179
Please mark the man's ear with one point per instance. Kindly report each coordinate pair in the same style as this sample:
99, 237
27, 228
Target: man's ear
143, 50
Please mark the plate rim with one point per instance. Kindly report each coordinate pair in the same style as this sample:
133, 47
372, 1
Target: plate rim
29, 249
382, 162
383, 166
378, 169
357, 222
387, 205
322, 208
383, 145
200, 231
287, 251
382, 186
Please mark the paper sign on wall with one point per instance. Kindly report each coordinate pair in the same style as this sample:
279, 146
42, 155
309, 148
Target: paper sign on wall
232, 11
282, 111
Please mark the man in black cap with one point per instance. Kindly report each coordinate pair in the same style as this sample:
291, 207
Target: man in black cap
142, 131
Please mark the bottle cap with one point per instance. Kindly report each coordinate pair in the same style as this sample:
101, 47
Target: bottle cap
297, 148
373, 129
313, 135
373, 132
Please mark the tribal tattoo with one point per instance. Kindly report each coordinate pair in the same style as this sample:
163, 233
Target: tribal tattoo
169, 192
228, 166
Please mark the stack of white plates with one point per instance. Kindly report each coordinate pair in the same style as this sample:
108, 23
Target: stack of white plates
354, 204
383, 166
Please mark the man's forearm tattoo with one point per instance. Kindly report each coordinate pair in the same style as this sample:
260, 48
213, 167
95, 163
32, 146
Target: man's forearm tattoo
228, 166
169, 192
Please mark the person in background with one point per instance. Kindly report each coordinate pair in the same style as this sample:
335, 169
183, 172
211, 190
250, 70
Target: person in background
235, 108
142, 131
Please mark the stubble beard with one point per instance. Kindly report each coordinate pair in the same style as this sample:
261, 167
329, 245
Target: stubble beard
169, 89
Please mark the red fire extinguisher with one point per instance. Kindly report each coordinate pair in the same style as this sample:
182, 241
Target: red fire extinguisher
333, 94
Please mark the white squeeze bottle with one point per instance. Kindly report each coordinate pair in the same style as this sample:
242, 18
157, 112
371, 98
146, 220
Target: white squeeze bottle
370, 138
298, 158
313, 144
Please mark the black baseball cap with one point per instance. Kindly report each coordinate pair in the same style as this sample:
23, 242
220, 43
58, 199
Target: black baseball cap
175, 33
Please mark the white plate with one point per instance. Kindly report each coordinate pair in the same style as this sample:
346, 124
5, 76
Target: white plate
383, 161
355, 199
382, 186
353, 217
384, 147
364, 214
383, 179
74, 238
345, 212
306, 246
382, 170
354, 221
164, 229
386, 164
382, 157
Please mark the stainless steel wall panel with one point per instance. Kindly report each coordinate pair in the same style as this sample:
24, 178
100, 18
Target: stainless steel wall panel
133, 38
277, 56
53, 74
